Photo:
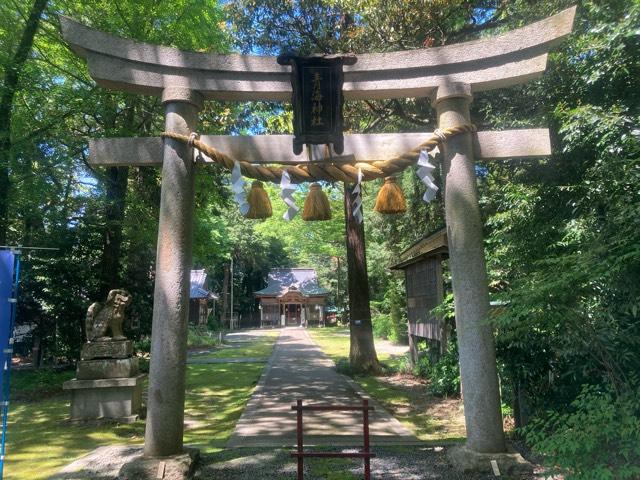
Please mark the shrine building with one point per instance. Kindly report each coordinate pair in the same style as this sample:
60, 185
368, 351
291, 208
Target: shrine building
292, 297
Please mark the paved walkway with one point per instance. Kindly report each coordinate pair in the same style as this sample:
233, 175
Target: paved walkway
298, 369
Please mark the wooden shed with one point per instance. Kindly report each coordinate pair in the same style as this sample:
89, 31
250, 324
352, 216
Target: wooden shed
422, 266
201, 300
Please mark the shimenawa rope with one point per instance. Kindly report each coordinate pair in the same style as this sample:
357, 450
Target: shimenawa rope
331, 172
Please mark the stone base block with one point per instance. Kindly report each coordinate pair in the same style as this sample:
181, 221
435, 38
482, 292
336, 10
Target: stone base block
103, 463
510, 464
107, 349
115, 399
176, 467
107, 368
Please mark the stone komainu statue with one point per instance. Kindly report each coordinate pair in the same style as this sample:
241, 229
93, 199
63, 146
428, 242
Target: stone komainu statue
107, 316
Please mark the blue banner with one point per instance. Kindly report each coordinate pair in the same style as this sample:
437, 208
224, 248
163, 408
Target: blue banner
8, 292
7, 261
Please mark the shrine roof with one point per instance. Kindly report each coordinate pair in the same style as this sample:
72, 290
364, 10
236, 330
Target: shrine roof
428, 246
282, 280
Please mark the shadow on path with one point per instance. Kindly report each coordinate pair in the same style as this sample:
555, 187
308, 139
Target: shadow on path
298, 369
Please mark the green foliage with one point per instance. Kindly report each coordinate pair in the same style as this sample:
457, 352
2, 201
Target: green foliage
389, 317
201, 337
31, 385
423, 366
56, 200
397, 314
446, 309
597, 439
259, 348
344, 367
563, 241
142, 345
41, 441
382, 326
444, 375
313, 244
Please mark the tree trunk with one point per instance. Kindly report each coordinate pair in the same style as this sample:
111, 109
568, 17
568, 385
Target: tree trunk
117, 178
225, 290
10, 86
116, 183
362, 355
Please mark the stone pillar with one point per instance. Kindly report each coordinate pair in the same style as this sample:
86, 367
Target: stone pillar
165, 417
478, 369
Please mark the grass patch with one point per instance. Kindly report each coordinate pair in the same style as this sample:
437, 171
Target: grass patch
262, 347
199, 337
333, 468
428, 417
216, 396
411, 411
30, 385
334, 342
41, 440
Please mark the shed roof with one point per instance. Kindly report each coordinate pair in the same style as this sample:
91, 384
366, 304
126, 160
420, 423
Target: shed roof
197, 287
429, 245
281, 280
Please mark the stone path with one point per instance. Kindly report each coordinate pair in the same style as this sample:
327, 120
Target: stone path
298, 369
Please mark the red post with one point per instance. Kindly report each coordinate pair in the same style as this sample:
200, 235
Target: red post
366, 455
365, 421
299, 435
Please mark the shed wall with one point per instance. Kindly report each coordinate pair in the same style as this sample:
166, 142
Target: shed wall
424, 292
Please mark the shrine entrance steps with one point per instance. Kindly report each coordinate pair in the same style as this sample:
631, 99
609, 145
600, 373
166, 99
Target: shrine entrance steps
298, 369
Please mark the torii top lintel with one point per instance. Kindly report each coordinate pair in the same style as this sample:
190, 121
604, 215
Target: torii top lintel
509, 59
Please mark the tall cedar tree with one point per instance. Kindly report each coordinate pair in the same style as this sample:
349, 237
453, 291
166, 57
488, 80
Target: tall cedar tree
9, 88
362, 354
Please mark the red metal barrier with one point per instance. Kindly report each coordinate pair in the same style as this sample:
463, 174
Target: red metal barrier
364, 454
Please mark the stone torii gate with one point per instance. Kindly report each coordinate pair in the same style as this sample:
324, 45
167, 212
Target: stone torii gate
449, 75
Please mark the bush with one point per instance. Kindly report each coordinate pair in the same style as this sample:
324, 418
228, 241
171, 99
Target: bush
388, 317
143, 345
422, 367
33, 385
397, 317
343, 366
382, 327
598, 440
201, 337
445, 375
402, 365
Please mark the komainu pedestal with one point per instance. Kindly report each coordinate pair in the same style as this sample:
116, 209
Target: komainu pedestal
108, 383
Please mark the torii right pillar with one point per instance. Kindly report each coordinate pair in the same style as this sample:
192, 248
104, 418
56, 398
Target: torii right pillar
478, 370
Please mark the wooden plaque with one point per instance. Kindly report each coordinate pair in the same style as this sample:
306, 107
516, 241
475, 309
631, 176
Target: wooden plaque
317, 99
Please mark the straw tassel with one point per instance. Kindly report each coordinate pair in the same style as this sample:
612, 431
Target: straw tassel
259, 203
316, 205
390, 198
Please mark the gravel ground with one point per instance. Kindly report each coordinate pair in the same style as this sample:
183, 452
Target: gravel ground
391, 463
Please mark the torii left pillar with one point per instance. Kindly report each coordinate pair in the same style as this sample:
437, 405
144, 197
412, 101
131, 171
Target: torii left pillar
165, 416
